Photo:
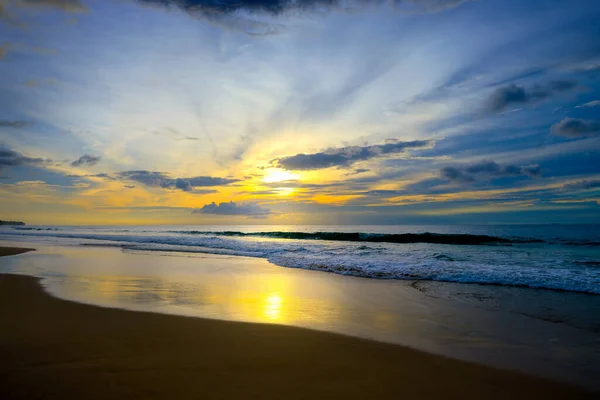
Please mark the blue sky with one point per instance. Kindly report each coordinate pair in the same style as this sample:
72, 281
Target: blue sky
414, 111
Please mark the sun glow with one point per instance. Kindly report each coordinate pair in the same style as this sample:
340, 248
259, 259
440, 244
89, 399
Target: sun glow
278, 175
285, 191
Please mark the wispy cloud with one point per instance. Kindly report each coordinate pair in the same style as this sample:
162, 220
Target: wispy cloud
583, 185
14, 124
174, 134
595, 103
64, 5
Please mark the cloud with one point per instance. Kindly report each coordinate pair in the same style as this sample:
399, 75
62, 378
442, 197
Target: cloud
384, 193
9, 9
515, 95
252, 16
175, 134
595, 103
275, 7
64, 5
346, 156
488, 170
357, 171
14, 124
163, 180
583, 185
11, 158
232, 208
86, 160
101, 175
576, 127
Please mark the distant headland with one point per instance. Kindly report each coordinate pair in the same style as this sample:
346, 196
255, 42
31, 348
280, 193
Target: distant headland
11, 222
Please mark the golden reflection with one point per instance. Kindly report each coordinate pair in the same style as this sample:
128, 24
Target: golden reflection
270, 297
272, 310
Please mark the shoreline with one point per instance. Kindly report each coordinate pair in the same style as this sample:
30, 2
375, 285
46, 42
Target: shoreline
56, 348
13, 251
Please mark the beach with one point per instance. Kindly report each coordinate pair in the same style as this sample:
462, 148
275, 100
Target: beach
12, 251
53, 348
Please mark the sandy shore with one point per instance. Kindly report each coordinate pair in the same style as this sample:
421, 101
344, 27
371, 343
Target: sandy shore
12, 251
52, 348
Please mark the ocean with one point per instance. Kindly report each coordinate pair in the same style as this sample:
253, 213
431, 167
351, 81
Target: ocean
519, 297
551, 257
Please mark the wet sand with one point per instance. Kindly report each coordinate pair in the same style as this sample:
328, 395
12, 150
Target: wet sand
57, 349
12, 251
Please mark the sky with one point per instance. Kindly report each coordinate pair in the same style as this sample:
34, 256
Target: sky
299, 112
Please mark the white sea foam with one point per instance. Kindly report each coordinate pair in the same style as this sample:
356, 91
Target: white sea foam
523, 265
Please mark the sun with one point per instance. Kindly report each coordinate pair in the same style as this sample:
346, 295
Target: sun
278, 175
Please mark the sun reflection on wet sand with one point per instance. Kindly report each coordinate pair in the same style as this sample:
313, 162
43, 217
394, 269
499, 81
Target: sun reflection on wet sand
273, 306
252, 290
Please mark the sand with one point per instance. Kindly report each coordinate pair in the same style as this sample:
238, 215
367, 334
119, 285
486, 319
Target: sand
12, 251
56, 349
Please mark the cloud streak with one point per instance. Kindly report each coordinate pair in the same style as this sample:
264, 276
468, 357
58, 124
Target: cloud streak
595, 103
64, 5
583, 185
14, 124
346, 156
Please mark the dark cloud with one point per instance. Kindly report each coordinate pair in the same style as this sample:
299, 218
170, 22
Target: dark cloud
129, 186
11, 158
576, 127
64, 5
515, 95
274, 7
357, 171
245, 15
384, 193
583, 185
101, 175
163, 180
148, 178
346, 156
86, 160
13, 124
487, 170
232, 208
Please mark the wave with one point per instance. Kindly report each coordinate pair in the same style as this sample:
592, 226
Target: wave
400, 238
499, 265
20, 228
